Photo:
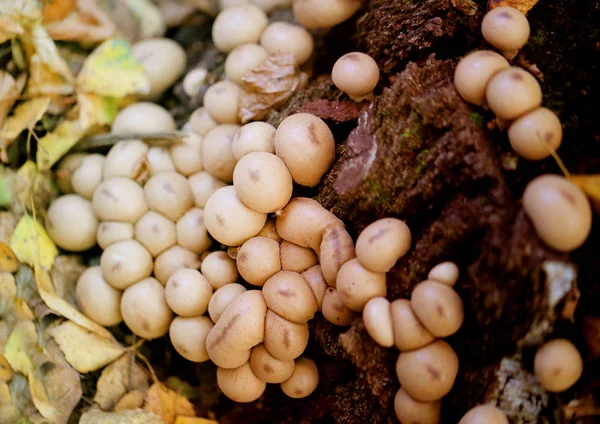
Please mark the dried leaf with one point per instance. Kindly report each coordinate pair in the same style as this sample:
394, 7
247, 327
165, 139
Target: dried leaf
24, 117
55, 144
21, 11
87, 24
31, 243
21, 346
42, 402
33, 190
64, 274
523, 5
194, 420
96, 110
8, 259
167, 404
151, 21
132, 400
8, 222
9, 29
127, 416
10, 90
117, 379
9, 412
8, 296
6, 371
468, 7
590, 184
57, 10
269, 85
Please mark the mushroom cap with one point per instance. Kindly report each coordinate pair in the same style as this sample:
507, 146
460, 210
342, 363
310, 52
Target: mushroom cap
145, 310
438, 307
355, 73
316, 281
409, 332
512, 93
484, 414
222, 101
201, 122
113, 231
284, 339
536, 135
558, 365
320, 14
125, 263
288, 294
172, 260
334, 309
409, 410
505, 28
221, 298
268, 368
357, 285
194, 80
270, 231
336, 249
445, 272
240, 384
560, 212
143, 117
295, 258
191, 231
255, 136
155, 232
169, 194
238, 25
473, 73
88, 175
71, 223
258, 260
188, 336
427, 374
303, 381
187, 156
119, 199
187, 292
382, 243
159, 160
127, 158
306, 145
97, 299
377, 316
203, 185
242, 59
65, 168
283, 37
219, 269
217, 153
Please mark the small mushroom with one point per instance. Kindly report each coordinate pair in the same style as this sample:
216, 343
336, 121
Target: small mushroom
222, 102
221, 298
191, 231
382, 243
303, 381
505, 28
155, 232
203, 185
536, 135
253, 137
66, 167
336, 249
258, 260
201, 122
219, 269
409, 410
194, 80
97, 299
284, 339
295, 258
188, 336
159, 160
172, 260
283, 37
238, 25
187, 156
316, 281
242, 59
143, 117
169, 194
125, 262
268, 368
88, 175
113, 231
319, 14
409, 333
287, 294
217, 154
127, 158
488, 414
513, 92
71, 223
357, 285
438, 307
240, 384
270, 231
119, 199
445, 272
558, 365
377, 316
356, 74
473, 73
187, 292
334, 309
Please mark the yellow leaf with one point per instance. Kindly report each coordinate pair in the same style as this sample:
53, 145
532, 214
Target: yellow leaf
117, 379
8, 259
23, 12
132, 400
54, 145
25, 116
126, 416
6, 371
194, 420
96, 110
31, 243
84, 350
590, 184
57, 10
41, 401
523, 6
21, 346
112, 70
9, 29
10, 90
151, 20
167, 404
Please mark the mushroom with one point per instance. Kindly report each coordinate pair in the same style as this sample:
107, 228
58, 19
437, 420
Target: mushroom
187, 156
119, 199
159, 160
238, 25
473, 73
222, 102
113, 231
228, 220
155, 232
409, 333
217, 155
306, 145
336, 249
188, 336
163, 61
253, 137
513, 92
438, 307
536, 135
382, 243
203, 185
125, 262
287, 294
71, 223
334, 310
488, 414
169, 194
409, 410
356, 74
303, 381
283, 37
145, 310
268, 368
221, 298
377, 316
560, 212
201, 122
66, 167
187, 292
270, 231
505, 28
194, 80
258, 260
240, 384
219, 269
143, 117
314, 277
191, 231
88, 175
445, 272
558, 365
427, 374
242, 59
174, 259
127, 158
357, 285
284, 339
319, 14
97, 299
262, 182
295, 258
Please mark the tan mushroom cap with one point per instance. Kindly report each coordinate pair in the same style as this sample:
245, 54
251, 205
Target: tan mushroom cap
127, 158
559, 210
296, 258
319, 14
473, 73
112, 231
187, 155
255, 136
336, 249
306, 145
238, 25
119, 199
194, 80
438, 307
268, 368
445, 272
356, 74
427, 374
201, 122
188, 336
145, 310
97, 299
240, 384
512, 93
159, 160
174, 259
143, 117
270, 231
409, 410
334, 309
558, 365
283, 37
203, 185
217, 153
64, 171
288, 294
409, 332
169, 194
258, 260
222, 101
505, 28
187, 292
357, 285
125, 262
316, 281
88, 175
71, 223
484, 414
377, 316
382, 243
284, 339
536, 135
155, 232
191, 231
242, 59
221, 298
219, 269
303, 381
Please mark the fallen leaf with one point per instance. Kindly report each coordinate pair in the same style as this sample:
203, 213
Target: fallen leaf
112, 70
8, 296
194, 420
468, 7
8, 222
24, 117
6, 187
119, 378
167, 404
28, 293
65, 273
8, 259
151, 21
55, 144
22, 11
590, 184
95, 110
9, 412
21, 346
10, 90
523, 5
33, 190
57, 10
132, 400
87, 24
127, 416
9, 29
31, 243
6, 371
41, 401
84, 350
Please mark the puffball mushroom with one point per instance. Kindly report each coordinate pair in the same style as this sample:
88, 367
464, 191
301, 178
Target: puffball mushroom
222, 101
228, 220
173, 259
268, 368
145, 310
473, 73
382, 243
71, 223
194, 80
201, 122
512, 93
356, 74
488, 414
438, 307
155, 232
334, 310
113, 231
143, 117
187, 156
240, 384
283, 37
336, 249
159, 160
64, 171
320, 14
203, 185
377, 316
357, 285
188, 336
221, 298
219, 269
187, 293
295, 258
97, 299
169, 194
262, 182
242, 59
119, 199
163, 61
427, 374
127, 158
284, 339
303, 381
88, 175
255, 136
306, 145
505, 28
238, 25
287, 294
409, 332
560, 212
445, 272
536, 135
191, 231
258, 260
217, 154
316, 281
558, 365
125, 262
409, 410
270, 231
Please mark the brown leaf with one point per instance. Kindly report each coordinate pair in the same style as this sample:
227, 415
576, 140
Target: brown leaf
269, 85
127, 416
8, 222
66, 271
10, 90
167, 404
88, 24
132, 400
8, 259
118, 379
468, 7
523, 5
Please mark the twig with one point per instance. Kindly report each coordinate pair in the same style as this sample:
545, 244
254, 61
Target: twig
165, 139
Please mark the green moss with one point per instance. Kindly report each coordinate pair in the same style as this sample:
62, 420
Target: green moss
381, 196
478, 119
538, 38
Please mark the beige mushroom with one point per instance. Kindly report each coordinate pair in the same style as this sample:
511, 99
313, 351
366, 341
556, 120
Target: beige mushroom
191, 231
97, 299
268, 368
240, 384
155, 232
558, 365
284, 339
125, 262
159, 160
409, 333
71, 223
66, 167
217, 154
473, 73
258, 260
169, 194
222, 102
377, 316
536, 135
488, 414
357, 285
253, 137
188, 336
382, 243
316, 281
187, 293
119, 199
203, 185
334, 309
505, 28
270, 231
187, 155
238, 25
336, 249
242, 59
88, 175
356, 74
319, 14
143, 117
513, 92
194, 80
112, 231
409, 410
288, 294
174, 259
438, 307
201, 122
127, 158
445, 272
295, 258
303, 381
283, 37
219, 269
221, 298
